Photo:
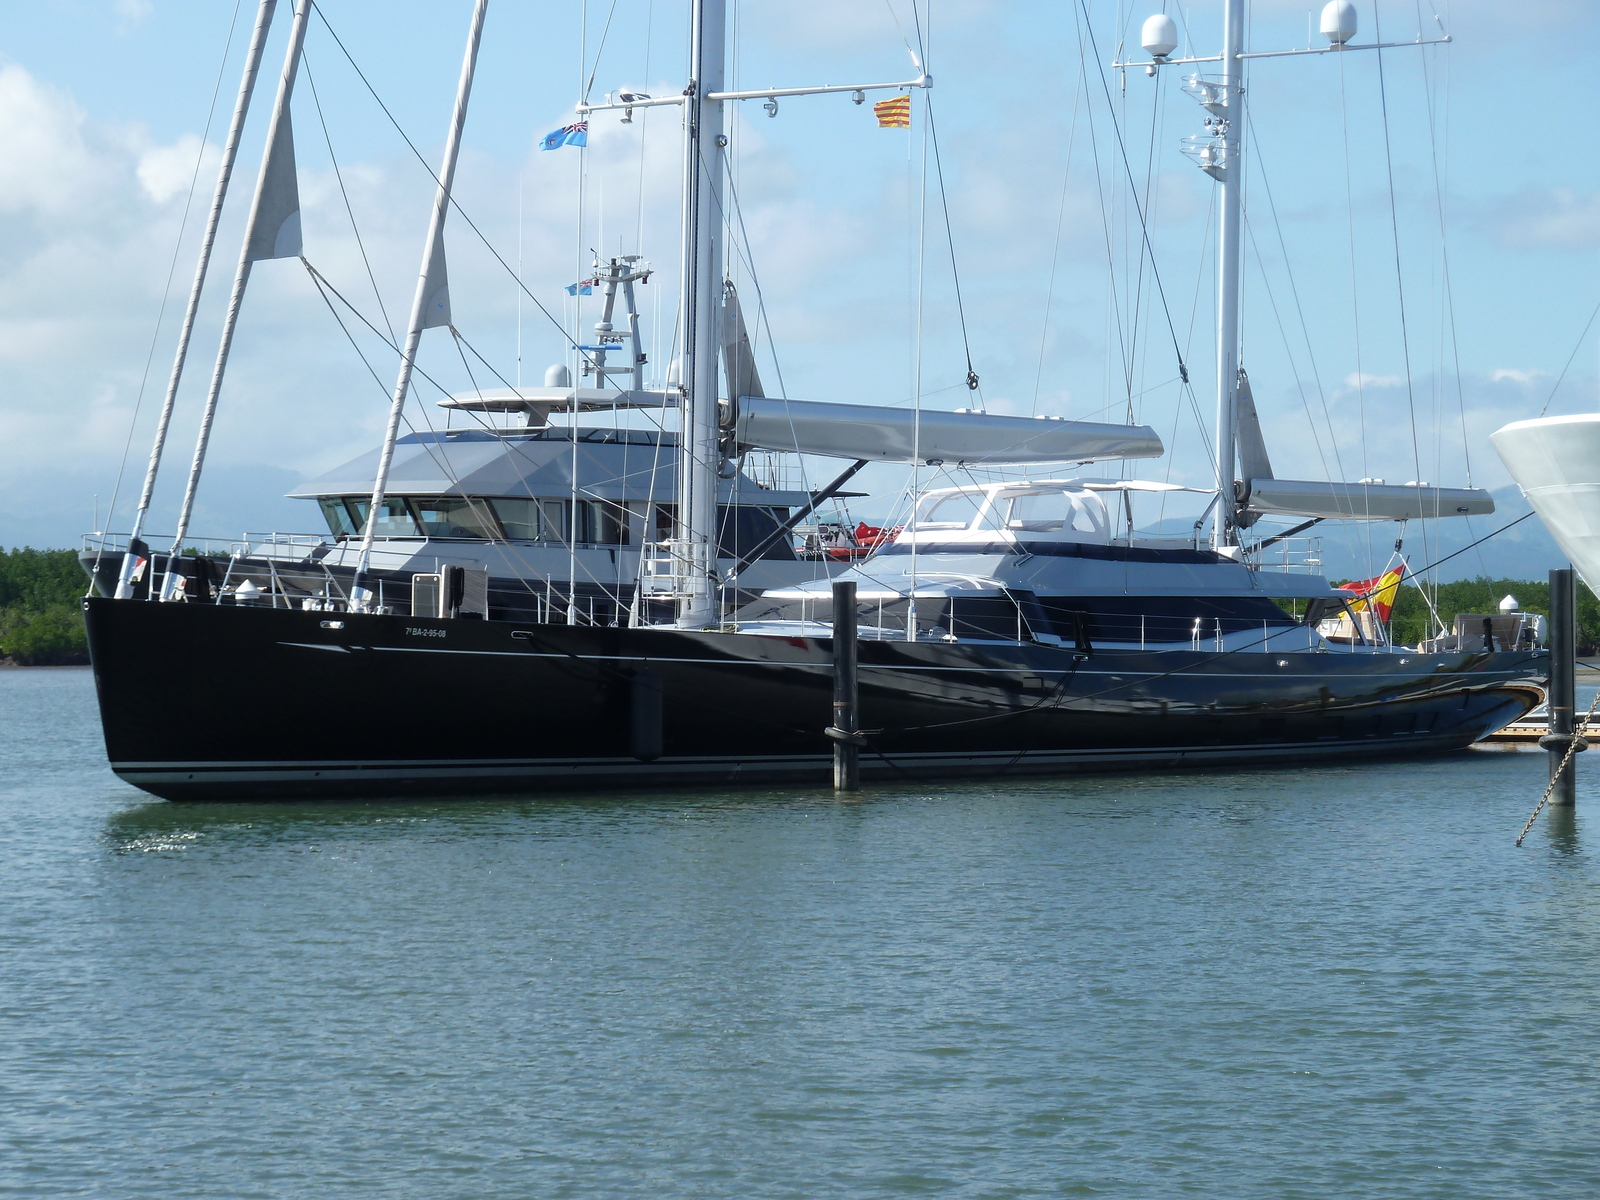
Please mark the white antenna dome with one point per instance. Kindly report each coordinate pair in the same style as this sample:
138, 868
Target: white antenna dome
1509, 605
1159, 36
1339, 21
557, 376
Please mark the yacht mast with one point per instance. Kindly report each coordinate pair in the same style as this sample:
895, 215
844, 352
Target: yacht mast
1228, 125
704, 143
1219, 152
430, 307
691, 553
273, 231
230, 151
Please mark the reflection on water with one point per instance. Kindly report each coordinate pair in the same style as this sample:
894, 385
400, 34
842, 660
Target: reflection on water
1339, 981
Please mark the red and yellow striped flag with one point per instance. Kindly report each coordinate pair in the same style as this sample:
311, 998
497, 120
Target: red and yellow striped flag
1380, 592
894, 114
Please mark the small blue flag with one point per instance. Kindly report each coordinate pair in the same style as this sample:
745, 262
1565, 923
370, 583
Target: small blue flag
567, 135
584, 287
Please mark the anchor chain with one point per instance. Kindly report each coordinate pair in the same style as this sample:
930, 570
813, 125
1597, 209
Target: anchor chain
1573, 747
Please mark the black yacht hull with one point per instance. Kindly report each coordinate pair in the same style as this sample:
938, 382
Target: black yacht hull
221, 702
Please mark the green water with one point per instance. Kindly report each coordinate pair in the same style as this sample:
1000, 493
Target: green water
1340, 981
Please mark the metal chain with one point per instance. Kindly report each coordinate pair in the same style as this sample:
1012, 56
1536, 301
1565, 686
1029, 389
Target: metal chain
1572, 749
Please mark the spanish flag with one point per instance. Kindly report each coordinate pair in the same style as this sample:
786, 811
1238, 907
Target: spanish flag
894, 114
1379, 592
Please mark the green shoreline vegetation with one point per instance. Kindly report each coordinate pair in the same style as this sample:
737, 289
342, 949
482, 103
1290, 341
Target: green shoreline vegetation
41, 613
41, 618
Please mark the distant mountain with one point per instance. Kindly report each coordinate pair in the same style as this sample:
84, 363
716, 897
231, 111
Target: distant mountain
1525, 551
1358, 550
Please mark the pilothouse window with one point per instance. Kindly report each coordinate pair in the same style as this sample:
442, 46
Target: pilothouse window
341, 523
454, 517
529, 520
600, 522
394, 518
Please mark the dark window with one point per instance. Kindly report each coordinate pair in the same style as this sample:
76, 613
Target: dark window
600, 522
743, 527
1145, 619
990, 617
340, 521
455, 517
395, 518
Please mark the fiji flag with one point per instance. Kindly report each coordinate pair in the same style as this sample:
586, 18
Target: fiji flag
567, 135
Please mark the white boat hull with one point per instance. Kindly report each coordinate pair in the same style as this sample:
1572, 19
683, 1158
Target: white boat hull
1556, 463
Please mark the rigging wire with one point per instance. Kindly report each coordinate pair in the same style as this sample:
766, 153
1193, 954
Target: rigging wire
599, 50
322, 282
1399, 277
1582, 337
1294, 291
950, 241
1355, 300
345, 195
1272, 301
1144, 231
932, 132
172, 268
1444, 246
1107, 222
454, 203
1055, 253
1394, 226
1140, 301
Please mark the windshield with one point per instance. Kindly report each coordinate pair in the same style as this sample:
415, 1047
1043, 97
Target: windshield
955, 511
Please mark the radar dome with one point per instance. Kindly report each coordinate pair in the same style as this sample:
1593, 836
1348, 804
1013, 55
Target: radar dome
1159, 36
1339, 21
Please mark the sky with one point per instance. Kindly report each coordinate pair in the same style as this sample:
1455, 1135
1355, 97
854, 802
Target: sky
1423, 231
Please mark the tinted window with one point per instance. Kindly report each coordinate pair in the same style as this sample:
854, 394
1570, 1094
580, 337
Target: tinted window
1161, 618
454, 517
394, 519
741, 528
340, 522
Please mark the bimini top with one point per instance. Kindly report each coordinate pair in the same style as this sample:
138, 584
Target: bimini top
612, 464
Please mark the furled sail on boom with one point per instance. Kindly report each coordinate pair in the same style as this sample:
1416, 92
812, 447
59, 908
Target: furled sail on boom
901, 435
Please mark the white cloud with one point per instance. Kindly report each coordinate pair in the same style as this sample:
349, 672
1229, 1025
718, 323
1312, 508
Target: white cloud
133, 10
1549, 217
1502, 374
1364, 380
167, 171
47, 165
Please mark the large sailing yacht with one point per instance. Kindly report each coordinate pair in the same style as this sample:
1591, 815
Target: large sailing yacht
1007, 627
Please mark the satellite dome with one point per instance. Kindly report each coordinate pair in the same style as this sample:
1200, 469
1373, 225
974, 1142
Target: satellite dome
1160, 35
1339, 21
